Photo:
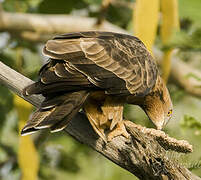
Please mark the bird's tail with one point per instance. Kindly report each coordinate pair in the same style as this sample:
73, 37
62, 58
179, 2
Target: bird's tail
55, 112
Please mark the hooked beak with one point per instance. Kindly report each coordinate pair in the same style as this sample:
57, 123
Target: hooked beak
159, 125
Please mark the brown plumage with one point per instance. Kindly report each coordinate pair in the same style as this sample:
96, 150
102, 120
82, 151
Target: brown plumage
99, 72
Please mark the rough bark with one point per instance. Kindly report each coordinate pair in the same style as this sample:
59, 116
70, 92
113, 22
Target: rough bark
144, 153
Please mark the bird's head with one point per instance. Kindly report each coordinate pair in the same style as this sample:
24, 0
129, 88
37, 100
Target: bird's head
158, 105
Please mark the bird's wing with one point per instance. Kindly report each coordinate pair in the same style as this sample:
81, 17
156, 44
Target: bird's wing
58, 77
115, 62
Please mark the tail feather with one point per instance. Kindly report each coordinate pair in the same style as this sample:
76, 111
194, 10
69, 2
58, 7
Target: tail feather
59, 113
57, 117
34, 120
52, 101
63, 123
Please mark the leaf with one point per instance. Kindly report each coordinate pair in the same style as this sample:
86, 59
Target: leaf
146, 20
190, 122
190, 9
191, 75
170, 24
13, 6
120, 18
166, 64
60, 6
170, 19
188, 41
97, 2
27, 155
6, 104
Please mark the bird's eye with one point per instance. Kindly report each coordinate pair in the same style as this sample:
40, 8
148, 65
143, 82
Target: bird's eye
169, 113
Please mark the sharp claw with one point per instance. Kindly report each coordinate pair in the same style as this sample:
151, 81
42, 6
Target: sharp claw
119, 130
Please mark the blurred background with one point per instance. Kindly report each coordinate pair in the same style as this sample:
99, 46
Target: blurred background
170, 29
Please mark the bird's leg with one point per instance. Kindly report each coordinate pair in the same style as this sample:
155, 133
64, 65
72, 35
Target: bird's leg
95, 116
119, 130
108, 116
113, 112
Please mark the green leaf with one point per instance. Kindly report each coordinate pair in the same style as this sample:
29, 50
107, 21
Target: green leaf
60, 6
97, 2
6, 104
191, 75
190, 122
190, 9
13, 6
186, 40
119, 17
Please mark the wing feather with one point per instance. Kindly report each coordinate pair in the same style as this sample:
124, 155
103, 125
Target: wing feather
124, 58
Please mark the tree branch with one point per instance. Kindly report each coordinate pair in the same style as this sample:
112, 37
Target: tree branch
144, 154
39, 28
16, 82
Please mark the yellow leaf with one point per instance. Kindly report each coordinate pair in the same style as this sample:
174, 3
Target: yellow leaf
170, 19
27, 155
145, 21
166, 65
170, 24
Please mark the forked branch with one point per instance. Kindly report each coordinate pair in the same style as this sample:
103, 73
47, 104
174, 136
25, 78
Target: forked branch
144, 154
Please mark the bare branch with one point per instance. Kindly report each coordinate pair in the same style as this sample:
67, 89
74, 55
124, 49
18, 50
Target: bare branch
142, 154
37, 27
16, 83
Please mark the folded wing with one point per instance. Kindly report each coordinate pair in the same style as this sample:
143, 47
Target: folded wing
112, 61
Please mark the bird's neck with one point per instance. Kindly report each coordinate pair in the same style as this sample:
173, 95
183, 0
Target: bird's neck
135, 100
156, 91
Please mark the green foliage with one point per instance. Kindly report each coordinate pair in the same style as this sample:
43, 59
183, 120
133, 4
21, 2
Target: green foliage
20, 5
190, 10
177, 93
6, 59
93, 2
190, 122
191, 75
12, 6
187, 40
120, 18
60, 6
6, 104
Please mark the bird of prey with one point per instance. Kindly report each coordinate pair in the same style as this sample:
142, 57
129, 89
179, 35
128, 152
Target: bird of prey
98, 72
